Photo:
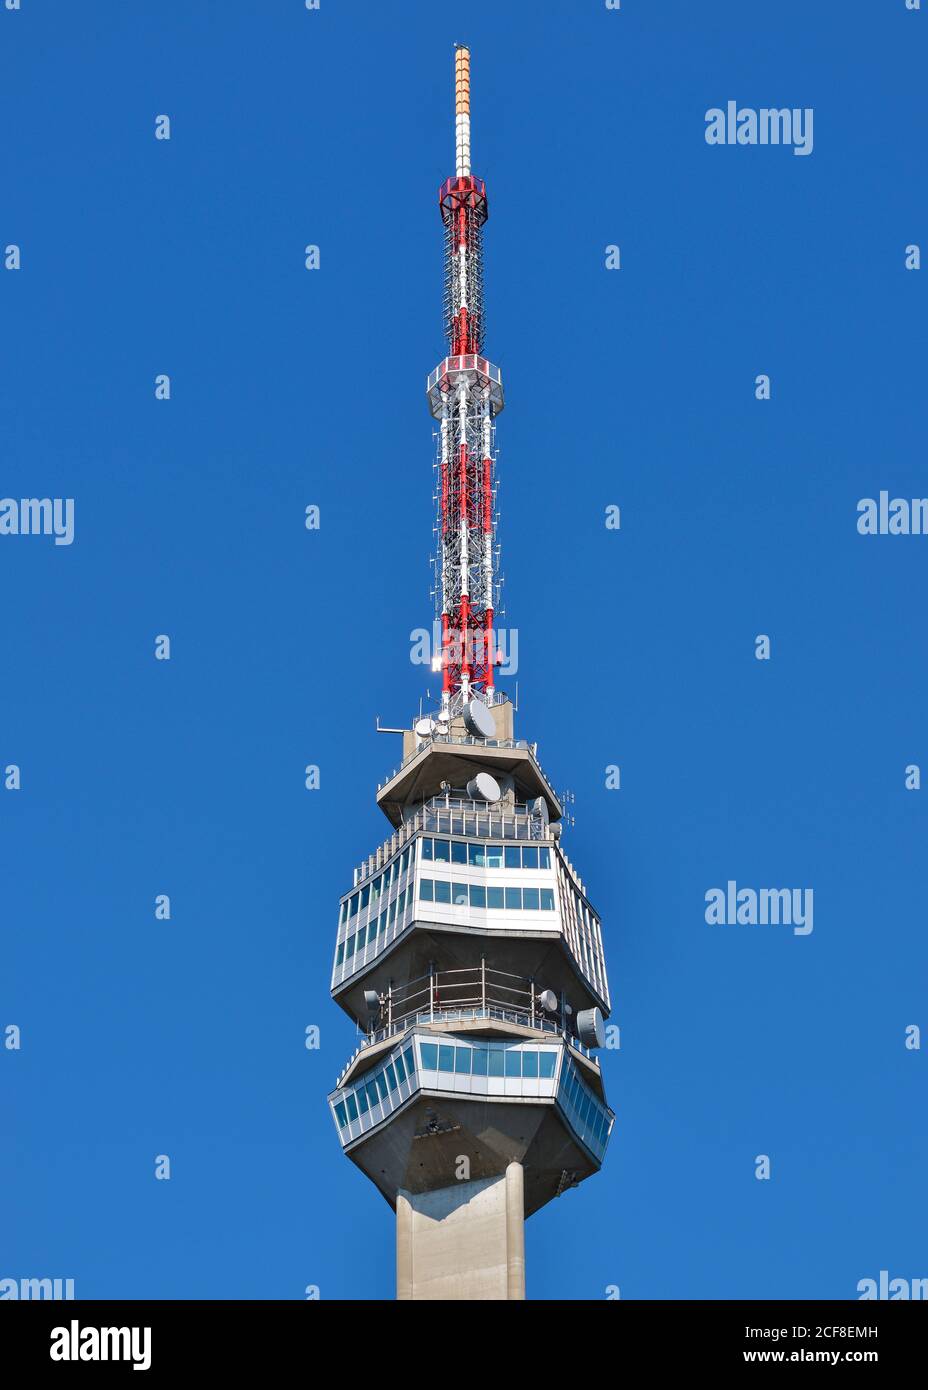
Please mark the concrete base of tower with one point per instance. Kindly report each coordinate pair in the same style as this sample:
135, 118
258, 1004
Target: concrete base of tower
466, 1241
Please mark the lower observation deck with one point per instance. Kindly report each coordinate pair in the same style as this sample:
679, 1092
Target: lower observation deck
434, 1097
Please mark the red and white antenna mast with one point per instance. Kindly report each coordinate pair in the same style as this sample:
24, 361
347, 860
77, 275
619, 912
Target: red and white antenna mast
465, 394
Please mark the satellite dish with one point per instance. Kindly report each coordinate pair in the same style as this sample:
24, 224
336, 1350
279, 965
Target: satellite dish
483, 787
372, 1000
478, 720
540, 809
425, 728
590, 1028
548, 1001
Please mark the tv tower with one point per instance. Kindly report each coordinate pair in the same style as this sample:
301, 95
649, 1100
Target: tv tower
468, 952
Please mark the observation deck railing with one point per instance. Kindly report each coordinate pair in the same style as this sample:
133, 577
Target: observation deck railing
470, 995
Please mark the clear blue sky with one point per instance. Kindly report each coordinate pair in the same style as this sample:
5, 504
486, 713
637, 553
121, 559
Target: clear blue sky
637, 648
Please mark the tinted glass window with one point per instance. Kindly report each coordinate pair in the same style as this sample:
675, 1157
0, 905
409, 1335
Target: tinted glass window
546, 1062
426, 891
441, 851
442, 891
495, 897
530, 1064
494, 856
400, 1066
445, 1057
496, 1062
530, 899
426, 849
476, 856
352, 1106
529, 857
341, 1114
544, 858
462, 1060
458, 852
547, 899
391, 1076
513, 857
513, 1062
478, 896
514, 897
429, 1054
480, 1061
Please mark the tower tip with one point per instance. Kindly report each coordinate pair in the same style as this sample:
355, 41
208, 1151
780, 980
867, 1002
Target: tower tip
462, 107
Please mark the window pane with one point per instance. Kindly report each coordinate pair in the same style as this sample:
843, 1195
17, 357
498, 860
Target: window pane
544, 858
514, 898
371, 1093
410, 1060
478, 896
462, 1060
362, 1099
458, 852
513, 1061
547, 899
529, 1063
341, 953
350, 951
426, 892
494, 897
354, 903
494, 856
496, 1062
441, 851
513, 857
352, 1106
476, 856
429, 1054
341, 1114
400, 1066
442, 890
480, 1061
460, 894
381, 1085
343, 916
530, 899
365, 895
375, 889
529, 857
426, 848
445, 1057
391, 1076
546, 1062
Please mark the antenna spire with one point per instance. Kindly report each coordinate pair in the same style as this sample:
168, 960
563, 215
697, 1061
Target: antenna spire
462, 109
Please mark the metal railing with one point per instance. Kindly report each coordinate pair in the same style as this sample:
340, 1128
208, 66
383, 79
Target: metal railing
469, 995
453, 816
465, 740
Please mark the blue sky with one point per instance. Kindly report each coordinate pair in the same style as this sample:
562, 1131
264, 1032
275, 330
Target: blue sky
636, 647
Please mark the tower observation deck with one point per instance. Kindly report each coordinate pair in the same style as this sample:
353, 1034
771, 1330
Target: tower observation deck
467, 951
